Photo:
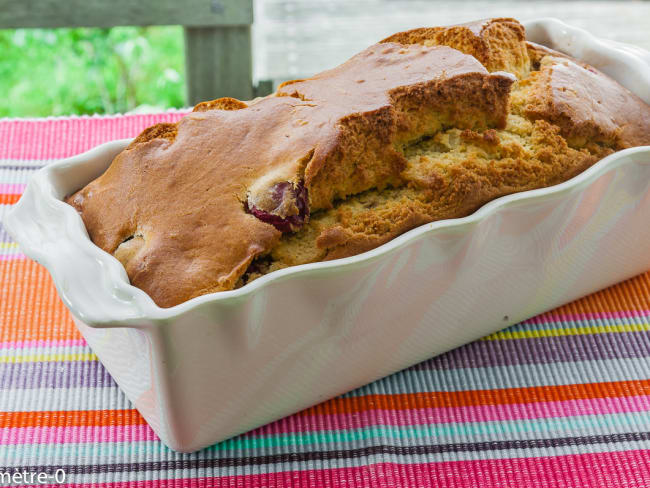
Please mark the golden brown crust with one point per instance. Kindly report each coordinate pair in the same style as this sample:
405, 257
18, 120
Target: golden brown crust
188, 197
438, 191
164, 130
434, 91
224, 103
498, 44
409, 131
551, 137
536, 52
588, 105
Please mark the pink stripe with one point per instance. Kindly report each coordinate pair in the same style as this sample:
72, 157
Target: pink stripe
627, 468
11, 257
520, 411
42, 139
77, 434
134, 433
548, 317
41, 343
12, 188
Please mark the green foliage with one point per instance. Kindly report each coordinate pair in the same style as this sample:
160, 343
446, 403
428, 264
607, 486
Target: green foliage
85, 71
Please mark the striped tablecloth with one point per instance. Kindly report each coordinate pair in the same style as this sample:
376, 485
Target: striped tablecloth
562, 399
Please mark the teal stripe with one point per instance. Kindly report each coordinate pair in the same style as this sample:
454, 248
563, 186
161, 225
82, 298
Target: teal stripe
460, 432
346, 439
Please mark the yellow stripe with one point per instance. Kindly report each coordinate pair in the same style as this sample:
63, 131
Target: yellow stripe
37, 358
8, 245
596, 329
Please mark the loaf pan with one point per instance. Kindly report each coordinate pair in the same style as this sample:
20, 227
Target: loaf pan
224, 363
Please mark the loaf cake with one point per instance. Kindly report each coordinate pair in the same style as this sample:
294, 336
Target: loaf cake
427, 124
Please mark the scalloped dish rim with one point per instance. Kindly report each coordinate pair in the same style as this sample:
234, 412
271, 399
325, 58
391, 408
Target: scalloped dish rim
116, 289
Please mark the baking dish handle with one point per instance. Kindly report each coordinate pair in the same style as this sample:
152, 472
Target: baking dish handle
40, 222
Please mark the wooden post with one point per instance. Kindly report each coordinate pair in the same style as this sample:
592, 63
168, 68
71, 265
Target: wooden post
263, 88
218, 63
218, 44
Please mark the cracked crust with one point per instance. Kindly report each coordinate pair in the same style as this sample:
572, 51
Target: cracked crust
422, 126
564, 116
498, 44
338, 133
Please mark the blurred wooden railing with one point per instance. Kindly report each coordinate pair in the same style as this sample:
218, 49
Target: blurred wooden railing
218, 47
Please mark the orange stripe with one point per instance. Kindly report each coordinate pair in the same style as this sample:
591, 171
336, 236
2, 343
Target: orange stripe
504, 396
90, 418
71, 418
27, 295
30, 308
629, 295
9, 198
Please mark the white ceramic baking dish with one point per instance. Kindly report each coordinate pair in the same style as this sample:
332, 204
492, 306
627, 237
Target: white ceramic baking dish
224, 363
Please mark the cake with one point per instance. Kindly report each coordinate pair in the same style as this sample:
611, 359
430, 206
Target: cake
427, 124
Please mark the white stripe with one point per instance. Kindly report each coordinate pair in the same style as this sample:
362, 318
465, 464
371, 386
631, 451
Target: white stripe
515, 376
82, 398
25, 162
